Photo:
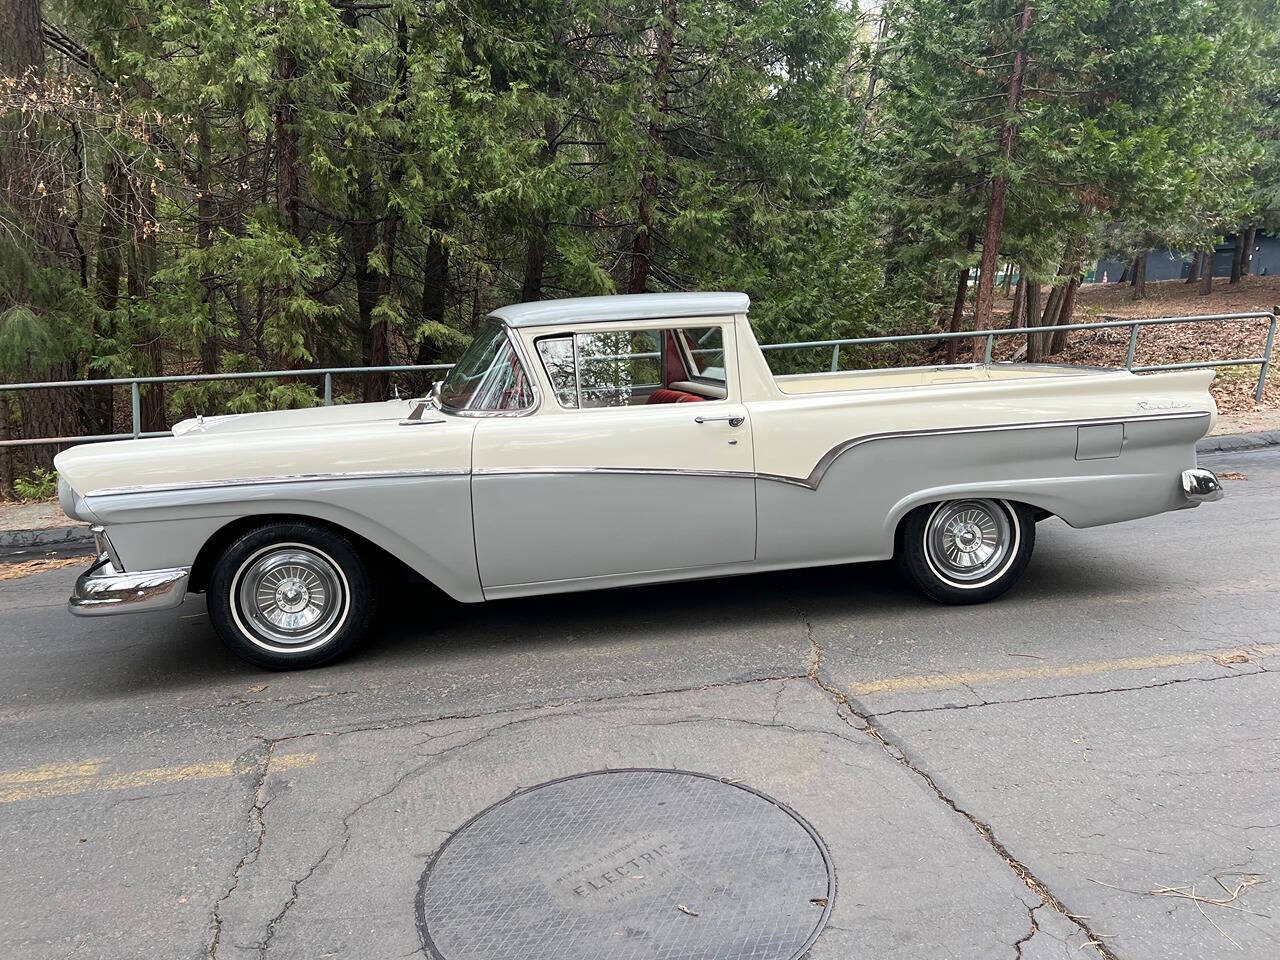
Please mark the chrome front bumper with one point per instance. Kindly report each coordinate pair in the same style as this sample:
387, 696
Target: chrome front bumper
102, 590
1201, 486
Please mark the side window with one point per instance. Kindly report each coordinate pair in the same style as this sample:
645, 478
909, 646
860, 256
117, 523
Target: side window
704, 347
627, 368
618, 368
557, 358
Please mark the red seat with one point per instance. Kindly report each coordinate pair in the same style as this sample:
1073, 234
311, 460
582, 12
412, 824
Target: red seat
665, 395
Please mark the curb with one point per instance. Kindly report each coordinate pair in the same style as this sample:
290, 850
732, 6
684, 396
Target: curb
1233, 442
46, 537
79, 533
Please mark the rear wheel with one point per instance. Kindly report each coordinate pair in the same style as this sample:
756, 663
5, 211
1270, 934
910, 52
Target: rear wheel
290, 595
966, 551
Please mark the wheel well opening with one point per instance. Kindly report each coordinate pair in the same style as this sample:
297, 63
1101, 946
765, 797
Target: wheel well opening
1037, 514
379, 560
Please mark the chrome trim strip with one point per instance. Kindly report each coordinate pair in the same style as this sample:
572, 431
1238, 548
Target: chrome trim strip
828, 458
655, 471
103, 590
811, 481
272, 480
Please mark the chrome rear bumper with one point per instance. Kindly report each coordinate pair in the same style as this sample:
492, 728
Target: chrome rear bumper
1201, 486
103, 590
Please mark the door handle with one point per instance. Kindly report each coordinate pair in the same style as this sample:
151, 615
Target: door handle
733, 421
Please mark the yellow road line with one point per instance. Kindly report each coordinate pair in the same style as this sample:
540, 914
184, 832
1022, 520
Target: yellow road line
1086, 668
50, 771
67, 780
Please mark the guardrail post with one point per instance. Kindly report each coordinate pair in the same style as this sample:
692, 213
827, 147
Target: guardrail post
135, 396
835, 358
1266, 357
328, 389
991, 342
1133, 347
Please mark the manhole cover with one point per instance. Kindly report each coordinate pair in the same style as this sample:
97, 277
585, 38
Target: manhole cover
628, 865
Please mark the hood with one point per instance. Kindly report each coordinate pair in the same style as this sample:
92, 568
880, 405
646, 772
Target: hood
348, 440
337, 416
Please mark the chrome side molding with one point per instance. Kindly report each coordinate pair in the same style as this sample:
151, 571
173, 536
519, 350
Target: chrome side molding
1201, 486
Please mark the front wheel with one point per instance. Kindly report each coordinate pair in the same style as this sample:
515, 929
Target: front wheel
290, 595
966, 551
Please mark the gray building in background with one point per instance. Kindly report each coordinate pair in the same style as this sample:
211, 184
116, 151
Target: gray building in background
1166, 264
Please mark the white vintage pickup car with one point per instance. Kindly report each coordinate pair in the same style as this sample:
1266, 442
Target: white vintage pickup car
609, 441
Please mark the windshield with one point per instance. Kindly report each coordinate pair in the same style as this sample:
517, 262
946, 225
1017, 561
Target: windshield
488, 376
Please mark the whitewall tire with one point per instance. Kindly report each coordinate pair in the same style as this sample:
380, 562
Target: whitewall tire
966, 551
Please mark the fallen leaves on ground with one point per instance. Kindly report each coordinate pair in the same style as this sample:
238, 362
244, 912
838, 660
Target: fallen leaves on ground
1227, 659
25, 568
1232, 475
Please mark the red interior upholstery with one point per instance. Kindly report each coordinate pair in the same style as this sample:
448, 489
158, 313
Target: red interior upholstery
664, 395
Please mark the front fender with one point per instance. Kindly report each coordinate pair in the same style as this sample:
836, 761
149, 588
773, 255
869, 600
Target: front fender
425, 522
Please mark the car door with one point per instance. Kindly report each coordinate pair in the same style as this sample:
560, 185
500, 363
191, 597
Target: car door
637, 464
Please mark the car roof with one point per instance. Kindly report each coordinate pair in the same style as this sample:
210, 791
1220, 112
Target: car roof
629, 306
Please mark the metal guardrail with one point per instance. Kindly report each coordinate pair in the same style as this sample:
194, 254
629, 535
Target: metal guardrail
135, 384
135, 392
1263, 362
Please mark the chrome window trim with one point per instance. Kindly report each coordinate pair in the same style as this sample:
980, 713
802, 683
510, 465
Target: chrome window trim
517, 345
275, 480
670, 324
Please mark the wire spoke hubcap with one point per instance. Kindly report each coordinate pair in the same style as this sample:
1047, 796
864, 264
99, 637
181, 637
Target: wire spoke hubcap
966, 540
291, 595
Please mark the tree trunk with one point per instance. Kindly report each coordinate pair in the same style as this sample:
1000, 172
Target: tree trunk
1008, 278
1019, 302
21, 38
204, 240
957, 309
22, 57
1132, 272
1044, 341
535, 262
999, 189
1246, 266
1066, 310
1140, 275
535, 255
106, 274
6, 452
1238, 253
642, 242
1033, 314
436, 294
873, 76
286, 134
142, 264
1206, 273
380, 334
1194, 273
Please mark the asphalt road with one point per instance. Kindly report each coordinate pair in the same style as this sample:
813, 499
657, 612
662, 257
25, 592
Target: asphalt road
1090, 765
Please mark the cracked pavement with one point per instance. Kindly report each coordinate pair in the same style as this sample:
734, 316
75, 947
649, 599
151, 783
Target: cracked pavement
1086, 768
